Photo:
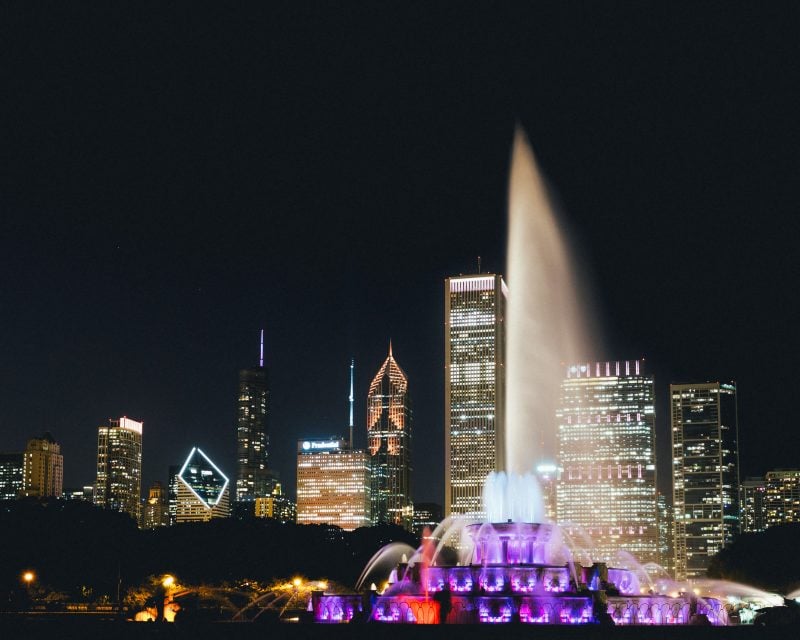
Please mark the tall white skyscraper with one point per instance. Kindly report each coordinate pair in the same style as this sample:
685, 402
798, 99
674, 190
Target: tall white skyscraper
606, 452
474, 365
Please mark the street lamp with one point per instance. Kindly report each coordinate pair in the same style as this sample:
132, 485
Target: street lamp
27, 578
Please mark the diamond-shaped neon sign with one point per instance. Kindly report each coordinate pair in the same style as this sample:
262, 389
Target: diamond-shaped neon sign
203, 478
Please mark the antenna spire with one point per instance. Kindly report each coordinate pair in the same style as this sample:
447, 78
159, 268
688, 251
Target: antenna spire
352, 399
390, 347
479, 264
261, 352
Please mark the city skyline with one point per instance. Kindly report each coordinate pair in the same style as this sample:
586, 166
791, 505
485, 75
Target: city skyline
156, 216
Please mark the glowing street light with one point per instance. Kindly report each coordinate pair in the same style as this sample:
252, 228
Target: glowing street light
168, 581
297, 582
28, 577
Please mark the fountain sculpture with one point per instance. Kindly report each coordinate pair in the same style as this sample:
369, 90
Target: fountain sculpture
504, 566
502, 572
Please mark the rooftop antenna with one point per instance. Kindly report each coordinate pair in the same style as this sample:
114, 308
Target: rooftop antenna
390, 347
479, 264
352, 400
261, 352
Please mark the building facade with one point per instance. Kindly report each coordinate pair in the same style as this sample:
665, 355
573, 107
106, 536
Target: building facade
202, 490
119, 466
333, 484
782, 497
752, 494
389, 433
253, 478
11, 475
665, 535
427, 515
43, 468
474, 412
156, 508
705, 469
606, 453
172, 492
85, 493
278, 507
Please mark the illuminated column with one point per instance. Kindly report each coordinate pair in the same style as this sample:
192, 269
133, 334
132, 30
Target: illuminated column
474, 412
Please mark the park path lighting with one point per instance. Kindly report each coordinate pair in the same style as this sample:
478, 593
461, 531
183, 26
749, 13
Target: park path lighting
28, 577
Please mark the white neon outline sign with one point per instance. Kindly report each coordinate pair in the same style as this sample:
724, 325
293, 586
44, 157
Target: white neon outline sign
216, 468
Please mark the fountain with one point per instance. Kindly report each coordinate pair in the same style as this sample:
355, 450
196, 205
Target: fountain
512, 566
468, 571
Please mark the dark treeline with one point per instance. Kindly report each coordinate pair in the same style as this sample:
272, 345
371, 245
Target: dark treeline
72, 545
769, 559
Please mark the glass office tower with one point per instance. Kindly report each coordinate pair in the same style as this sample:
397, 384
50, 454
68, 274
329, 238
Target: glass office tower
202, 490
119, 466
389, 423
333, 484
474, 365
705, 468
253, 478
607, 458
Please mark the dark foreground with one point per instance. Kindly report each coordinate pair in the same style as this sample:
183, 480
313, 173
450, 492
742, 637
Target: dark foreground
82, 628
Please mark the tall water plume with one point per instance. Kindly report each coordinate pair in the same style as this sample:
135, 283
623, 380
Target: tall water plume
546, 322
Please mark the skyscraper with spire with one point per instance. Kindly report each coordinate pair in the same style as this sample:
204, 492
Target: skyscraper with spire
389, 421
253, 479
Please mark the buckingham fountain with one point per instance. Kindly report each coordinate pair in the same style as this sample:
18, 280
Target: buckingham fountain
507, 564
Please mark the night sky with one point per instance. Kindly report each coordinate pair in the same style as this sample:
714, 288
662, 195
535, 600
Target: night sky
174, 178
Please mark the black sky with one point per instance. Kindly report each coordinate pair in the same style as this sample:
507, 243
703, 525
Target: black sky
175, 178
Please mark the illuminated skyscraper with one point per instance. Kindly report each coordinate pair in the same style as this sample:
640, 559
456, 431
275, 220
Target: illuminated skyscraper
119, 466
172, 492
474, 387
278, 507
10, 476
201, 490
705, 470
665, 535
606, 450
253, 478
43, 468
389, 422
782, 497
751, 494
333, 484
156, 512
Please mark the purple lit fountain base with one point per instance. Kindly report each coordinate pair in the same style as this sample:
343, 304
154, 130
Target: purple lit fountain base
508, 581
